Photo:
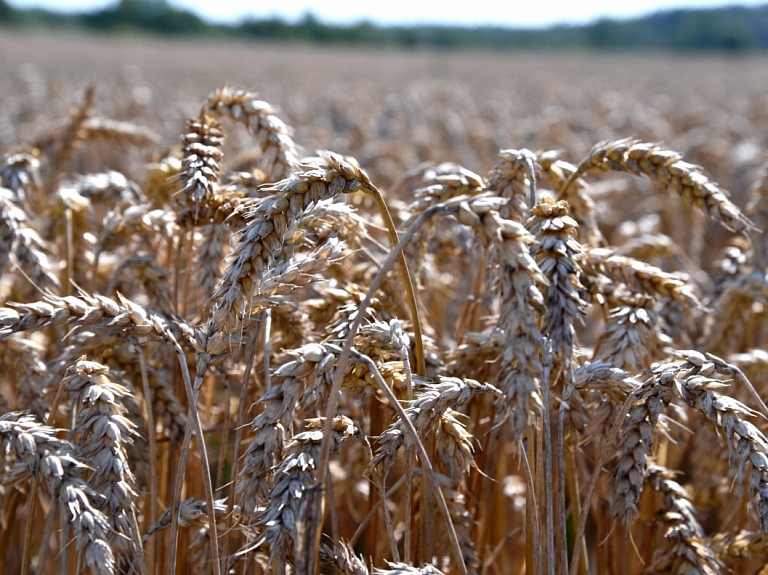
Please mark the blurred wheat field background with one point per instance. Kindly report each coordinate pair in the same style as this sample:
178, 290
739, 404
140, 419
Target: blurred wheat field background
216, 359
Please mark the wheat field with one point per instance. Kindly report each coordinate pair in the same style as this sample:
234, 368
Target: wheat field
303, 310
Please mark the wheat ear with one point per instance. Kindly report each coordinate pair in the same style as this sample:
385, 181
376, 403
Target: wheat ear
668, 169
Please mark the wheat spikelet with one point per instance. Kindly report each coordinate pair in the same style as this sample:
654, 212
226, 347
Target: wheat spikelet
431, 403
135, 224
191, 512
631, 338
343, 558
398, 568
20, 173
163, 180
726, 326
307, 364
558, 255
746, 444
520, 337
443, 182
145, 276
636, 441
91, 310
742, 544
22, 245
27, 355
167, 407
111, 188
606, 388
747, 447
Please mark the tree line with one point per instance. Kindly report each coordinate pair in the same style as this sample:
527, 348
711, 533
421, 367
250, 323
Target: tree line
732, 28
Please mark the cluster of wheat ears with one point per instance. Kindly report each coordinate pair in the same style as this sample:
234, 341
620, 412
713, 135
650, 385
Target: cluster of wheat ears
283, 368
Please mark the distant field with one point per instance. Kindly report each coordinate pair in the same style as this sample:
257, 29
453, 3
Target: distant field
561, 372
516, 99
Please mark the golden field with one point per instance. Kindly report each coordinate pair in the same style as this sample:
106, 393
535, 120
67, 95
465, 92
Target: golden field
384, 312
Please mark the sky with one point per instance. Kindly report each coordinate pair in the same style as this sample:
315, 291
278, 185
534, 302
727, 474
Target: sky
403, 12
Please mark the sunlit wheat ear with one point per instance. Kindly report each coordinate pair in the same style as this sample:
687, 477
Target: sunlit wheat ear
167, 407
519, 336
20, 244
559, 257
38, 453
557, 172
631, 338
260, 243
742, 545
20, 173
403, 569
688, 549
518, 332
279, 155
295, 474
635, 444
514, 177
725, 329
26, 355
92, 310
431, 403
443, 182
163, 180
299, 368
104, 432
668, 169
200, 163
640, 277
606, 389
689, 382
